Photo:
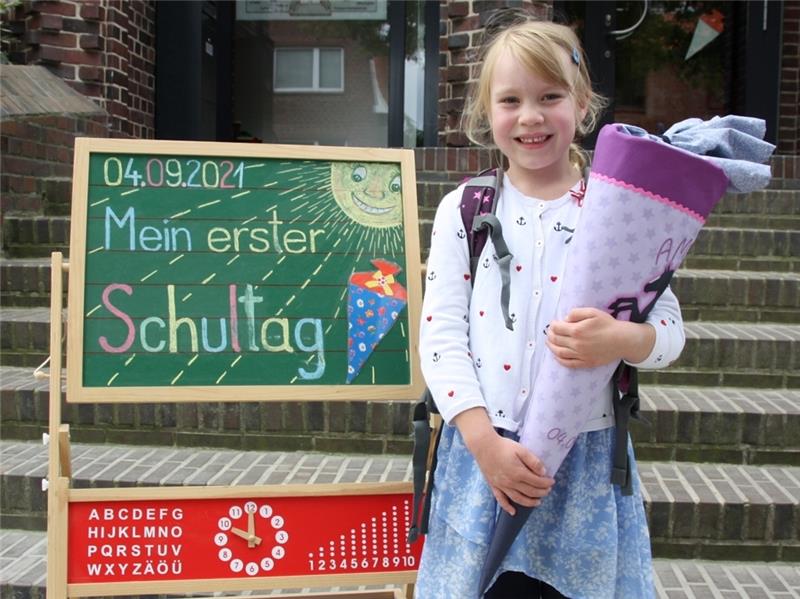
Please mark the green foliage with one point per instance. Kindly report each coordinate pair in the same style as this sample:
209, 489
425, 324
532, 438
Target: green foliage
6, 5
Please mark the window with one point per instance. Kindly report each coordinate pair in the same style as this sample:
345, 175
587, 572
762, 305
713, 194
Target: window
314, 70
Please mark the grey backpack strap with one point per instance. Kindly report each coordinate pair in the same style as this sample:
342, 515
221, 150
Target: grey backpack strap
504, 257
422, 439
626, 406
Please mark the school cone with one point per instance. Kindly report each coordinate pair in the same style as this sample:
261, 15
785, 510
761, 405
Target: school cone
375, 300
708, 28
646, 200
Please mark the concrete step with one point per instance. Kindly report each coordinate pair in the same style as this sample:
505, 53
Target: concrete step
767, 202
757, 221
752, 263
734, 355
34, 235
741, 426
24, 336
704, 511
729, 295
23, 575
25, 282
336, 426
746, 242
726, 425
722, 511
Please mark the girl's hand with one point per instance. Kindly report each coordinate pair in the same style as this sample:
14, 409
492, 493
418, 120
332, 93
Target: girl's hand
589, 337
512, 472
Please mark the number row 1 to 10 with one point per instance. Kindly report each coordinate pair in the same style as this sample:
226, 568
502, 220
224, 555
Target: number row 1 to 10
398, 561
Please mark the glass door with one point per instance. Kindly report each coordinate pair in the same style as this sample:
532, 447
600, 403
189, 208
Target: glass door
659, 62
673, 61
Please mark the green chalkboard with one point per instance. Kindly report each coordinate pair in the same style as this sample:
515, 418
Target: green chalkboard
242, 272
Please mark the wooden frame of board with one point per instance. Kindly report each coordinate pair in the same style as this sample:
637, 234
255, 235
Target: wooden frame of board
60, 493
78, 391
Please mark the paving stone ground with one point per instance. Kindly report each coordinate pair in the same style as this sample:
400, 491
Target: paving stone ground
22, 565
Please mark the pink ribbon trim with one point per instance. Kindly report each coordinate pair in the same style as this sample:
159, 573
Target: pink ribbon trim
651, 195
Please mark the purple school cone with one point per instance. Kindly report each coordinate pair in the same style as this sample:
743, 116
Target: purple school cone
644, 206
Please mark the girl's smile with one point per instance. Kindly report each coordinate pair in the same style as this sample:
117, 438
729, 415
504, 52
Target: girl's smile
534, 141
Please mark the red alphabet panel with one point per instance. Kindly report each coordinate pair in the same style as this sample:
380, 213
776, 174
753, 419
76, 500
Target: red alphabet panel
180, 539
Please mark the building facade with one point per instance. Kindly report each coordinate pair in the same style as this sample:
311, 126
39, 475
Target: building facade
387, 73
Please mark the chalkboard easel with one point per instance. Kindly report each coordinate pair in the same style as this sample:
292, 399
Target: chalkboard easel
233, 272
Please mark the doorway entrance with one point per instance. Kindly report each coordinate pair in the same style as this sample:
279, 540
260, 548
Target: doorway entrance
660, 61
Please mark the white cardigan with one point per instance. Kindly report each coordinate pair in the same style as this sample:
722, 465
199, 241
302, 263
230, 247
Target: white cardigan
469, 358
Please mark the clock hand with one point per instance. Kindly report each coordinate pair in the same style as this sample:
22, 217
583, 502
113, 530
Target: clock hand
240, 533
252, 540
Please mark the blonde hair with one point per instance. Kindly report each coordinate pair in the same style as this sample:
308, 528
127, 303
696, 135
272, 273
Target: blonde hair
538, 45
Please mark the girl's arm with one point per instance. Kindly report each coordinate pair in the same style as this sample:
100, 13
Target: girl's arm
589, 337
444, 328
512, 472
670, 338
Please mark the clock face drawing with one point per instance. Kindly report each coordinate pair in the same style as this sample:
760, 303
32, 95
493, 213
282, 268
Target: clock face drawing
251, 538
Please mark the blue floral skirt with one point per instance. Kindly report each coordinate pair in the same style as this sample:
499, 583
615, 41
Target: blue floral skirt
585, 539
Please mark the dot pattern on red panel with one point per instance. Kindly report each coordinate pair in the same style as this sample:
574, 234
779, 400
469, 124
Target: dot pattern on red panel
383, 534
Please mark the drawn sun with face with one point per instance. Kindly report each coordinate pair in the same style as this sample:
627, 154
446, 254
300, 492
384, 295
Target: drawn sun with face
360, 205
370, 194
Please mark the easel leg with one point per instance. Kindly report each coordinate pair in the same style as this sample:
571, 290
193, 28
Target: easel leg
58, 484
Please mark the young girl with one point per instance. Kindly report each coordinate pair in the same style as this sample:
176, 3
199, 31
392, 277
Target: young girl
584, 538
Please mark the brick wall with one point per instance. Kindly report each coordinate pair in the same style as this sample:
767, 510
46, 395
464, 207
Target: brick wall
461, 30
104, 49
789, 107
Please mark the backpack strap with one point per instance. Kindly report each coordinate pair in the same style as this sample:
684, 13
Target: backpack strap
424, 462
478, 197
478, 208
490, 222
626, 406
433, 460
419, 462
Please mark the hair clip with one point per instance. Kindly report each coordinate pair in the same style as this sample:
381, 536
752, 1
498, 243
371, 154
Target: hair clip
576, 57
